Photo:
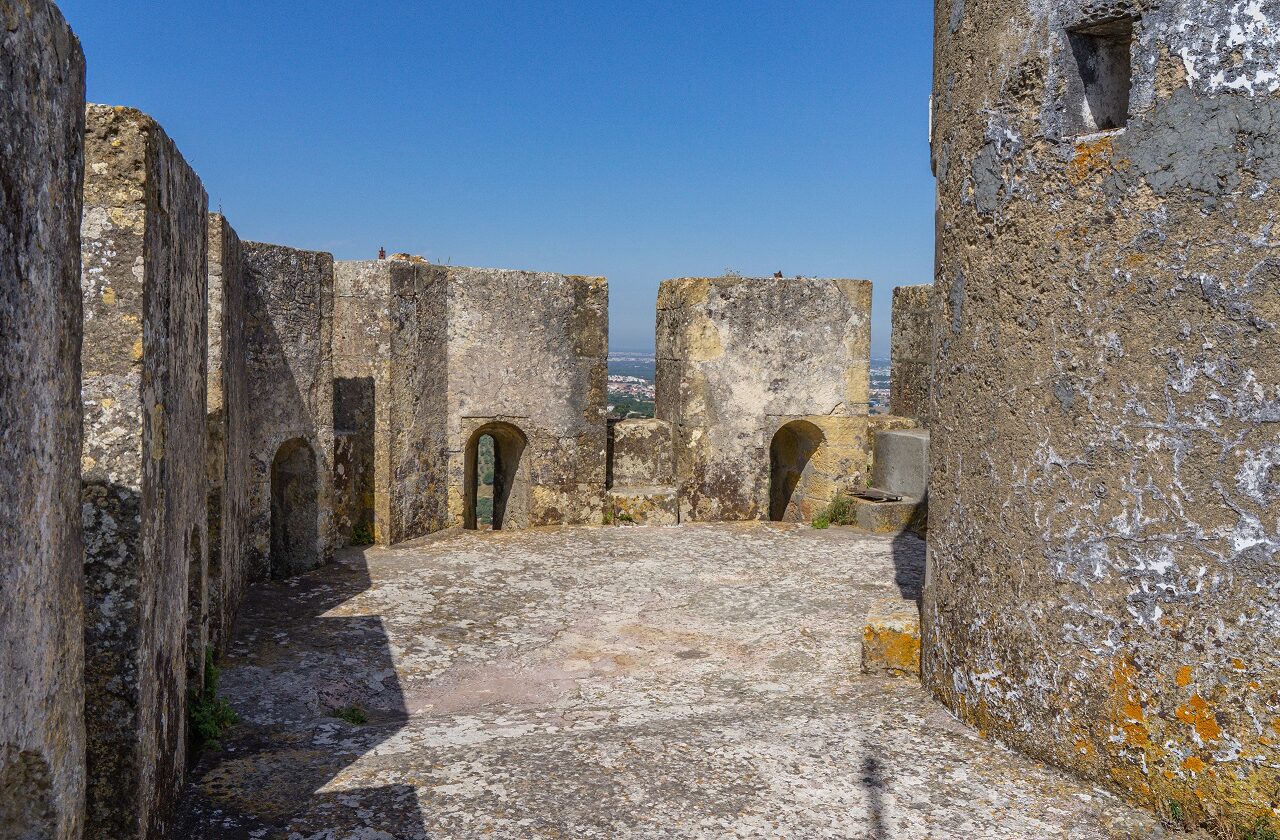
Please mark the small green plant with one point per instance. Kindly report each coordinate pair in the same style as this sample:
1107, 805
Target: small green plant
839, 512
210, 715
608, 517
1175, 811
627, 518
352, 714
362, 534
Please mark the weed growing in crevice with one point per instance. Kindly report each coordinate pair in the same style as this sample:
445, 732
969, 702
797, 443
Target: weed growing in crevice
839, 512
210, 716
352, 714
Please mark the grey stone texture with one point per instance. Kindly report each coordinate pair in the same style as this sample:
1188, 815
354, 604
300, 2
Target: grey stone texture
429, 358
42, 739
740, 360
640, 453
631, 684
526, 360
902, 462
389, 400
228, 454
144, 285
1105, 535
911, 352
289, 365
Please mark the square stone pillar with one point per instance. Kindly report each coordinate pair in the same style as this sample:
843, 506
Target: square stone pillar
144, 249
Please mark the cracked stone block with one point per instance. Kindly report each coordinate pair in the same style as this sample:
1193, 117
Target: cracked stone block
144, 252
891, 640
741, 361
644, 506
42, 738
911, 352
640, 453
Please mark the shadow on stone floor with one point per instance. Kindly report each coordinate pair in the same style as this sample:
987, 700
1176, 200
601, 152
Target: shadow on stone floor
908, 565
292, 666
873, 779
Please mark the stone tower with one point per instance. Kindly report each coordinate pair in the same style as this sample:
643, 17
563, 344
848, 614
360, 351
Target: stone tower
1105, 539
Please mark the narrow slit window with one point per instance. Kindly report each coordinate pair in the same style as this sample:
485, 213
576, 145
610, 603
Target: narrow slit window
1103, 76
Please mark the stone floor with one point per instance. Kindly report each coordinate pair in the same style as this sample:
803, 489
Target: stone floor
693, 681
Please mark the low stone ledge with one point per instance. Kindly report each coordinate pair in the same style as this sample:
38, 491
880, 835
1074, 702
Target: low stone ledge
644, 506
891, 640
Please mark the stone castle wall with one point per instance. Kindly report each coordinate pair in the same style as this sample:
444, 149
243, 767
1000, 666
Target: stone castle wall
42, 739
144, 287
739, 359
228, 455
289, 340
911, 352
1104, 531
528, 350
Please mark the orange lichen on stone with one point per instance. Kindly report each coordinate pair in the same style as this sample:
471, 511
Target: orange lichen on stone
1184, 676
891, 640
1092, 156
1193, 764
1197, 713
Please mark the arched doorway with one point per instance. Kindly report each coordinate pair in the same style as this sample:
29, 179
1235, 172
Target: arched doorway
790, 455
295, 533
505, 479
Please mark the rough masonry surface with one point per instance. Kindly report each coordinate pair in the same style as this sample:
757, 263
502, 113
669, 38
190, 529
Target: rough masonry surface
144, 285
1105, 516
738, 360
41, 632
289, 341
229, 431
911, 353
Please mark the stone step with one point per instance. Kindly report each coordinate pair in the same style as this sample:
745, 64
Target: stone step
891, 639
886, 517
654, 505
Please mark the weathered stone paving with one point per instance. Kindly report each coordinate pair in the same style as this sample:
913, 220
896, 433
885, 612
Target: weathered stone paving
692, 681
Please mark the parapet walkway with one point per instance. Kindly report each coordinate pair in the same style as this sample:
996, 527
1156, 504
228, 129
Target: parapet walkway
693, 681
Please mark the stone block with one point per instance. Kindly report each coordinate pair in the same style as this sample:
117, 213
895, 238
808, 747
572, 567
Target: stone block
42, 740
911, 352
890, 517
743, 360
891, 640
144, 250
229, 432
902, 462
289, 364
644, 506
640, 453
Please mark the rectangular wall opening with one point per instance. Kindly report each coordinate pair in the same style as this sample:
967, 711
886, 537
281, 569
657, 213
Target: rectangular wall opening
1099, 93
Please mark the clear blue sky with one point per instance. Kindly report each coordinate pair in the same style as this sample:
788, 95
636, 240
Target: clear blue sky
638, 140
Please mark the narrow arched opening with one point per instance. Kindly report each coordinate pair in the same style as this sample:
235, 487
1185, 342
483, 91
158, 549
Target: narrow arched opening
295, 532
497, 478
791, 456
